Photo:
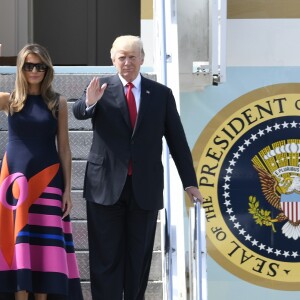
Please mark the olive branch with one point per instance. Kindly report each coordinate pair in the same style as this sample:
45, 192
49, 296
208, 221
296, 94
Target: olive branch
261, 216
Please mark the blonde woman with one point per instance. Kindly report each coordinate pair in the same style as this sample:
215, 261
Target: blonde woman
37, 259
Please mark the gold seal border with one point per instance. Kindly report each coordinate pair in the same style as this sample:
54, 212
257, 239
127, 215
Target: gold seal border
204, 138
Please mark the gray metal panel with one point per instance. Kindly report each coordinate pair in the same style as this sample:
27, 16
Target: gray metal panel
155, 270
75, 124
78, 211
3, 120
154, 291
80, 237
86, 290
83, 265
71, 85
78, 171
3, 142
157, 241
7, 82
80, 143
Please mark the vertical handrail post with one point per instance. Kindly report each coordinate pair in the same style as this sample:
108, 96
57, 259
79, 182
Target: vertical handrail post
197, 257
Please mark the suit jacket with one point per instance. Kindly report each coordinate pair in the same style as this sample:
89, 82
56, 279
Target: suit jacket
115, 143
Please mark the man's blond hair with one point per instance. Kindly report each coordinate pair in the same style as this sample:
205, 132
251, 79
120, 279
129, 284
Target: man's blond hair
127, 41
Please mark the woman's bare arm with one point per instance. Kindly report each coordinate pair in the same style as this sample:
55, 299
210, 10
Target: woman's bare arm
64, 153
4, 102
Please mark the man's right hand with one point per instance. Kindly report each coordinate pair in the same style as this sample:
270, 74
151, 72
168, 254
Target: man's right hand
94, 92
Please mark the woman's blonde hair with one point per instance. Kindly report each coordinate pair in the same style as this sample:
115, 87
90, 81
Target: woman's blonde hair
19, 95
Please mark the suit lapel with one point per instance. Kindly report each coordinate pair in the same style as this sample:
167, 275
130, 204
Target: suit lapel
145, 98
117, 91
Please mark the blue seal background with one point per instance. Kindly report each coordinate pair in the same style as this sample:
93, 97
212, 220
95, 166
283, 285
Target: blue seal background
244, 182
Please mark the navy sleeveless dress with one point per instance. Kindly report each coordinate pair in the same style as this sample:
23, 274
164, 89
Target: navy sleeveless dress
36, 244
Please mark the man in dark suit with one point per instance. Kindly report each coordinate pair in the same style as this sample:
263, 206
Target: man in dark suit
124, 174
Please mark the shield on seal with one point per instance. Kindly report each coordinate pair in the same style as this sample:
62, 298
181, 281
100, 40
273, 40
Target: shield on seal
290, 204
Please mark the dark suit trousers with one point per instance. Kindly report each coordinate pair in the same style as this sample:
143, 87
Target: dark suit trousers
121, 238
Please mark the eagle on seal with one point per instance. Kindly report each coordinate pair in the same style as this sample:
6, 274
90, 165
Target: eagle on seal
284, 195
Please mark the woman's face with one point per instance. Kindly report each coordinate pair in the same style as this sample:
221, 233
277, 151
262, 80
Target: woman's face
34, 69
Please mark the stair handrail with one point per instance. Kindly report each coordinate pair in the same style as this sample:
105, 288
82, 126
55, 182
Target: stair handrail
197, 253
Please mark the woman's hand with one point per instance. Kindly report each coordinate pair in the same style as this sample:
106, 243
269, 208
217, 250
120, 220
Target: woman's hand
66, 204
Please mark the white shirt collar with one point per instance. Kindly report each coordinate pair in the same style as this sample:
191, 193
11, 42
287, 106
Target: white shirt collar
136, 82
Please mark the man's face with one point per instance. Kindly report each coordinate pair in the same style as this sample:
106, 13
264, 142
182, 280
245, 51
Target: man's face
128, 61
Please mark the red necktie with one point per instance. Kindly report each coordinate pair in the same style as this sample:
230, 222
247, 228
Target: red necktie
132, 112
131, 104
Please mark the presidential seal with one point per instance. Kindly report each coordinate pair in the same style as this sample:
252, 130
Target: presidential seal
249, 174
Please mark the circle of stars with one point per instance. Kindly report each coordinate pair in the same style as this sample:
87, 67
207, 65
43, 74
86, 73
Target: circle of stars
226, 188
